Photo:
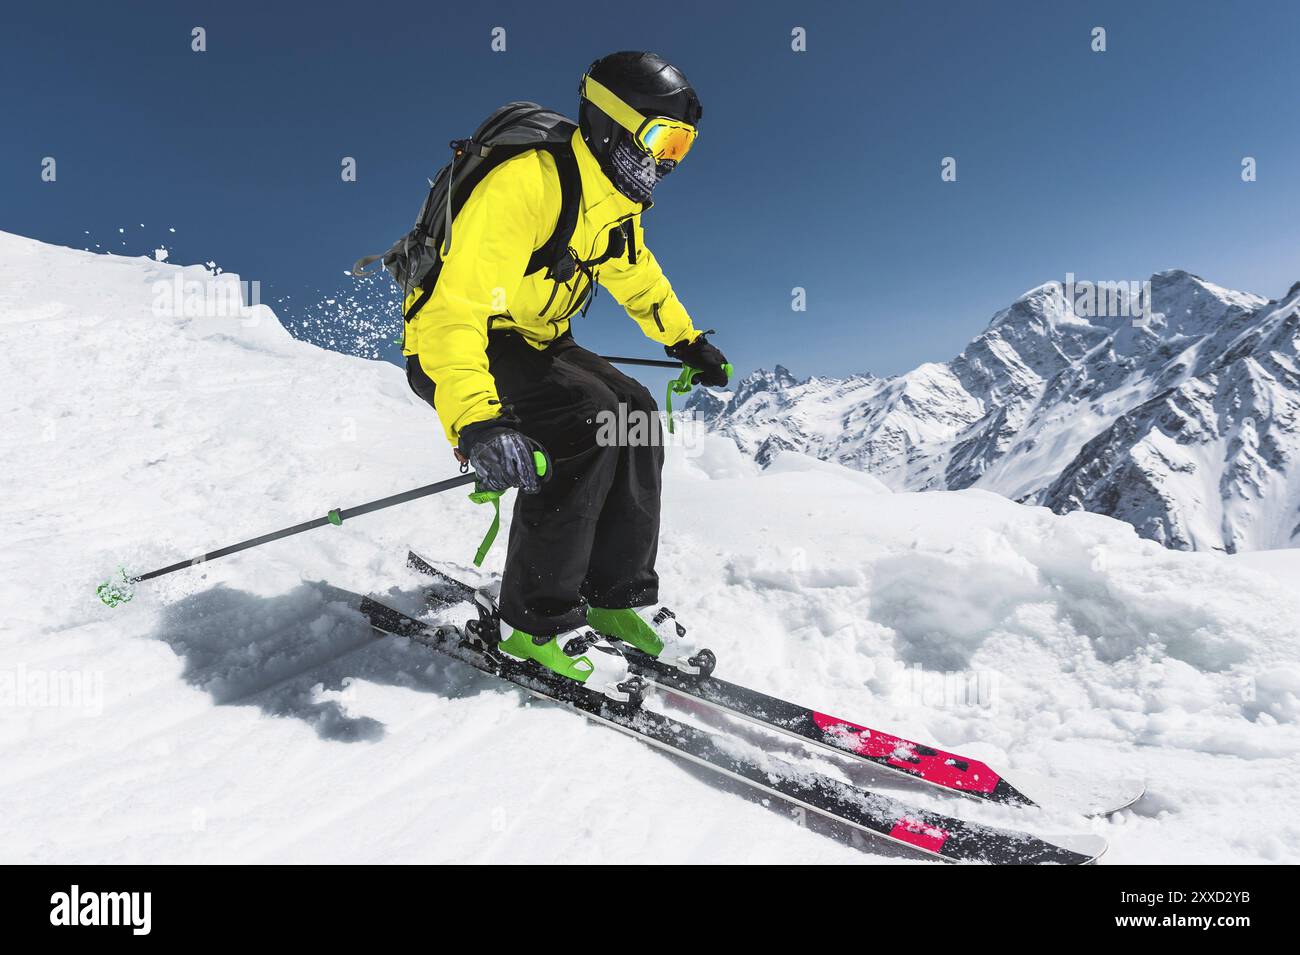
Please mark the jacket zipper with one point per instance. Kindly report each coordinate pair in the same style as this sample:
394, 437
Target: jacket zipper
575, 300
555, 287
631, 245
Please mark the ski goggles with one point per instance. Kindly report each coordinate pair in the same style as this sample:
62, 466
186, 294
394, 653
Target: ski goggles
667, 140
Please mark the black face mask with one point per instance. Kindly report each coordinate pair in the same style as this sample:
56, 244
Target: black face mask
634, 173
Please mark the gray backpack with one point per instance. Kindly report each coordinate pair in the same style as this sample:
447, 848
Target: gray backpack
415, 260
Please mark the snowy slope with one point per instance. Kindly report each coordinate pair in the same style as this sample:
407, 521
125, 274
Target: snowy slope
1187, 427
230, 714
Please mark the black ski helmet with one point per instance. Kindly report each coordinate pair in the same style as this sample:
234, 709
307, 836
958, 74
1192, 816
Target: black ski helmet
646, 82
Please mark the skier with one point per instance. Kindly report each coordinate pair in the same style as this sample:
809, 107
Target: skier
491, 349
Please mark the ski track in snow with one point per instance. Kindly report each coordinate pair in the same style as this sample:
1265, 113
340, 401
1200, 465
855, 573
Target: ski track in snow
242, 718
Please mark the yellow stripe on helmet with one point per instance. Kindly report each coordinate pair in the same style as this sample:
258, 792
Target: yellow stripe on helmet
608, 102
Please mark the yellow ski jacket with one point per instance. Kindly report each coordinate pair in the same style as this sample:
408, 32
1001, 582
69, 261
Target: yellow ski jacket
482, 285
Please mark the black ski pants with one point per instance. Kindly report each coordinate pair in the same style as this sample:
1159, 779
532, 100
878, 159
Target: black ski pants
590, 537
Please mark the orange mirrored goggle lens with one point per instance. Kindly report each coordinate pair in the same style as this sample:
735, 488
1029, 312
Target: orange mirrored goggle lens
666, 140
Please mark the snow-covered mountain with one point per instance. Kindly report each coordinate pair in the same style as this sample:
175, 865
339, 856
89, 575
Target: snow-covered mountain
1186, 425
232, 713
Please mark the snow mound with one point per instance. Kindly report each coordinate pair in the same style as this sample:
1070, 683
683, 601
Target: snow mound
789, 462
232, 713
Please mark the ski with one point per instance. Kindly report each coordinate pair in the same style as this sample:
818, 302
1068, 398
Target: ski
926, 831
946, 771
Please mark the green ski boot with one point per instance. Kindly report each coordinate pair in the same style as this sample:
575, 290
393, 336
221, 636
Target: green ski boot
581, 654
656, 632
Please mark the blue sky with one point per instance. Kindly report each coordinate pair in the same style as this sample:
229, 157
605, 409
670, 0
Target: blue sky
816, 169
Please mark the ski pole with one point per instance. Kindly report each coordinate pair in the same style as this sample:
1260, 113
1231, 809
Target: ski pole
113, 593
647, 362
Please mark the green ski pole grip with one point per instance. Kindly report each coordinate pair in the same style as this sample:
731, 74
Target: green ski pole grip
680, 385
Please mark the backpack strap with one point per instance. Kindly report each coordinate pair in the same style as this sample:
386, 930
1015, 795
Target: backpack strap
419, 303
570, 196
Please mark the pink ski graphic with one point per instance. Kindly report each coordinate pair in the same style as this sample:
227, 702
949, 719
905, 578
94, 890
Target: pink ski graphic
932, 765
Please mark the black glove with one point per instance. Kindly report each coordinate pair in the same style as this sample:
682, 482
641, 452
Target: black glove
700, 354
501, 457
